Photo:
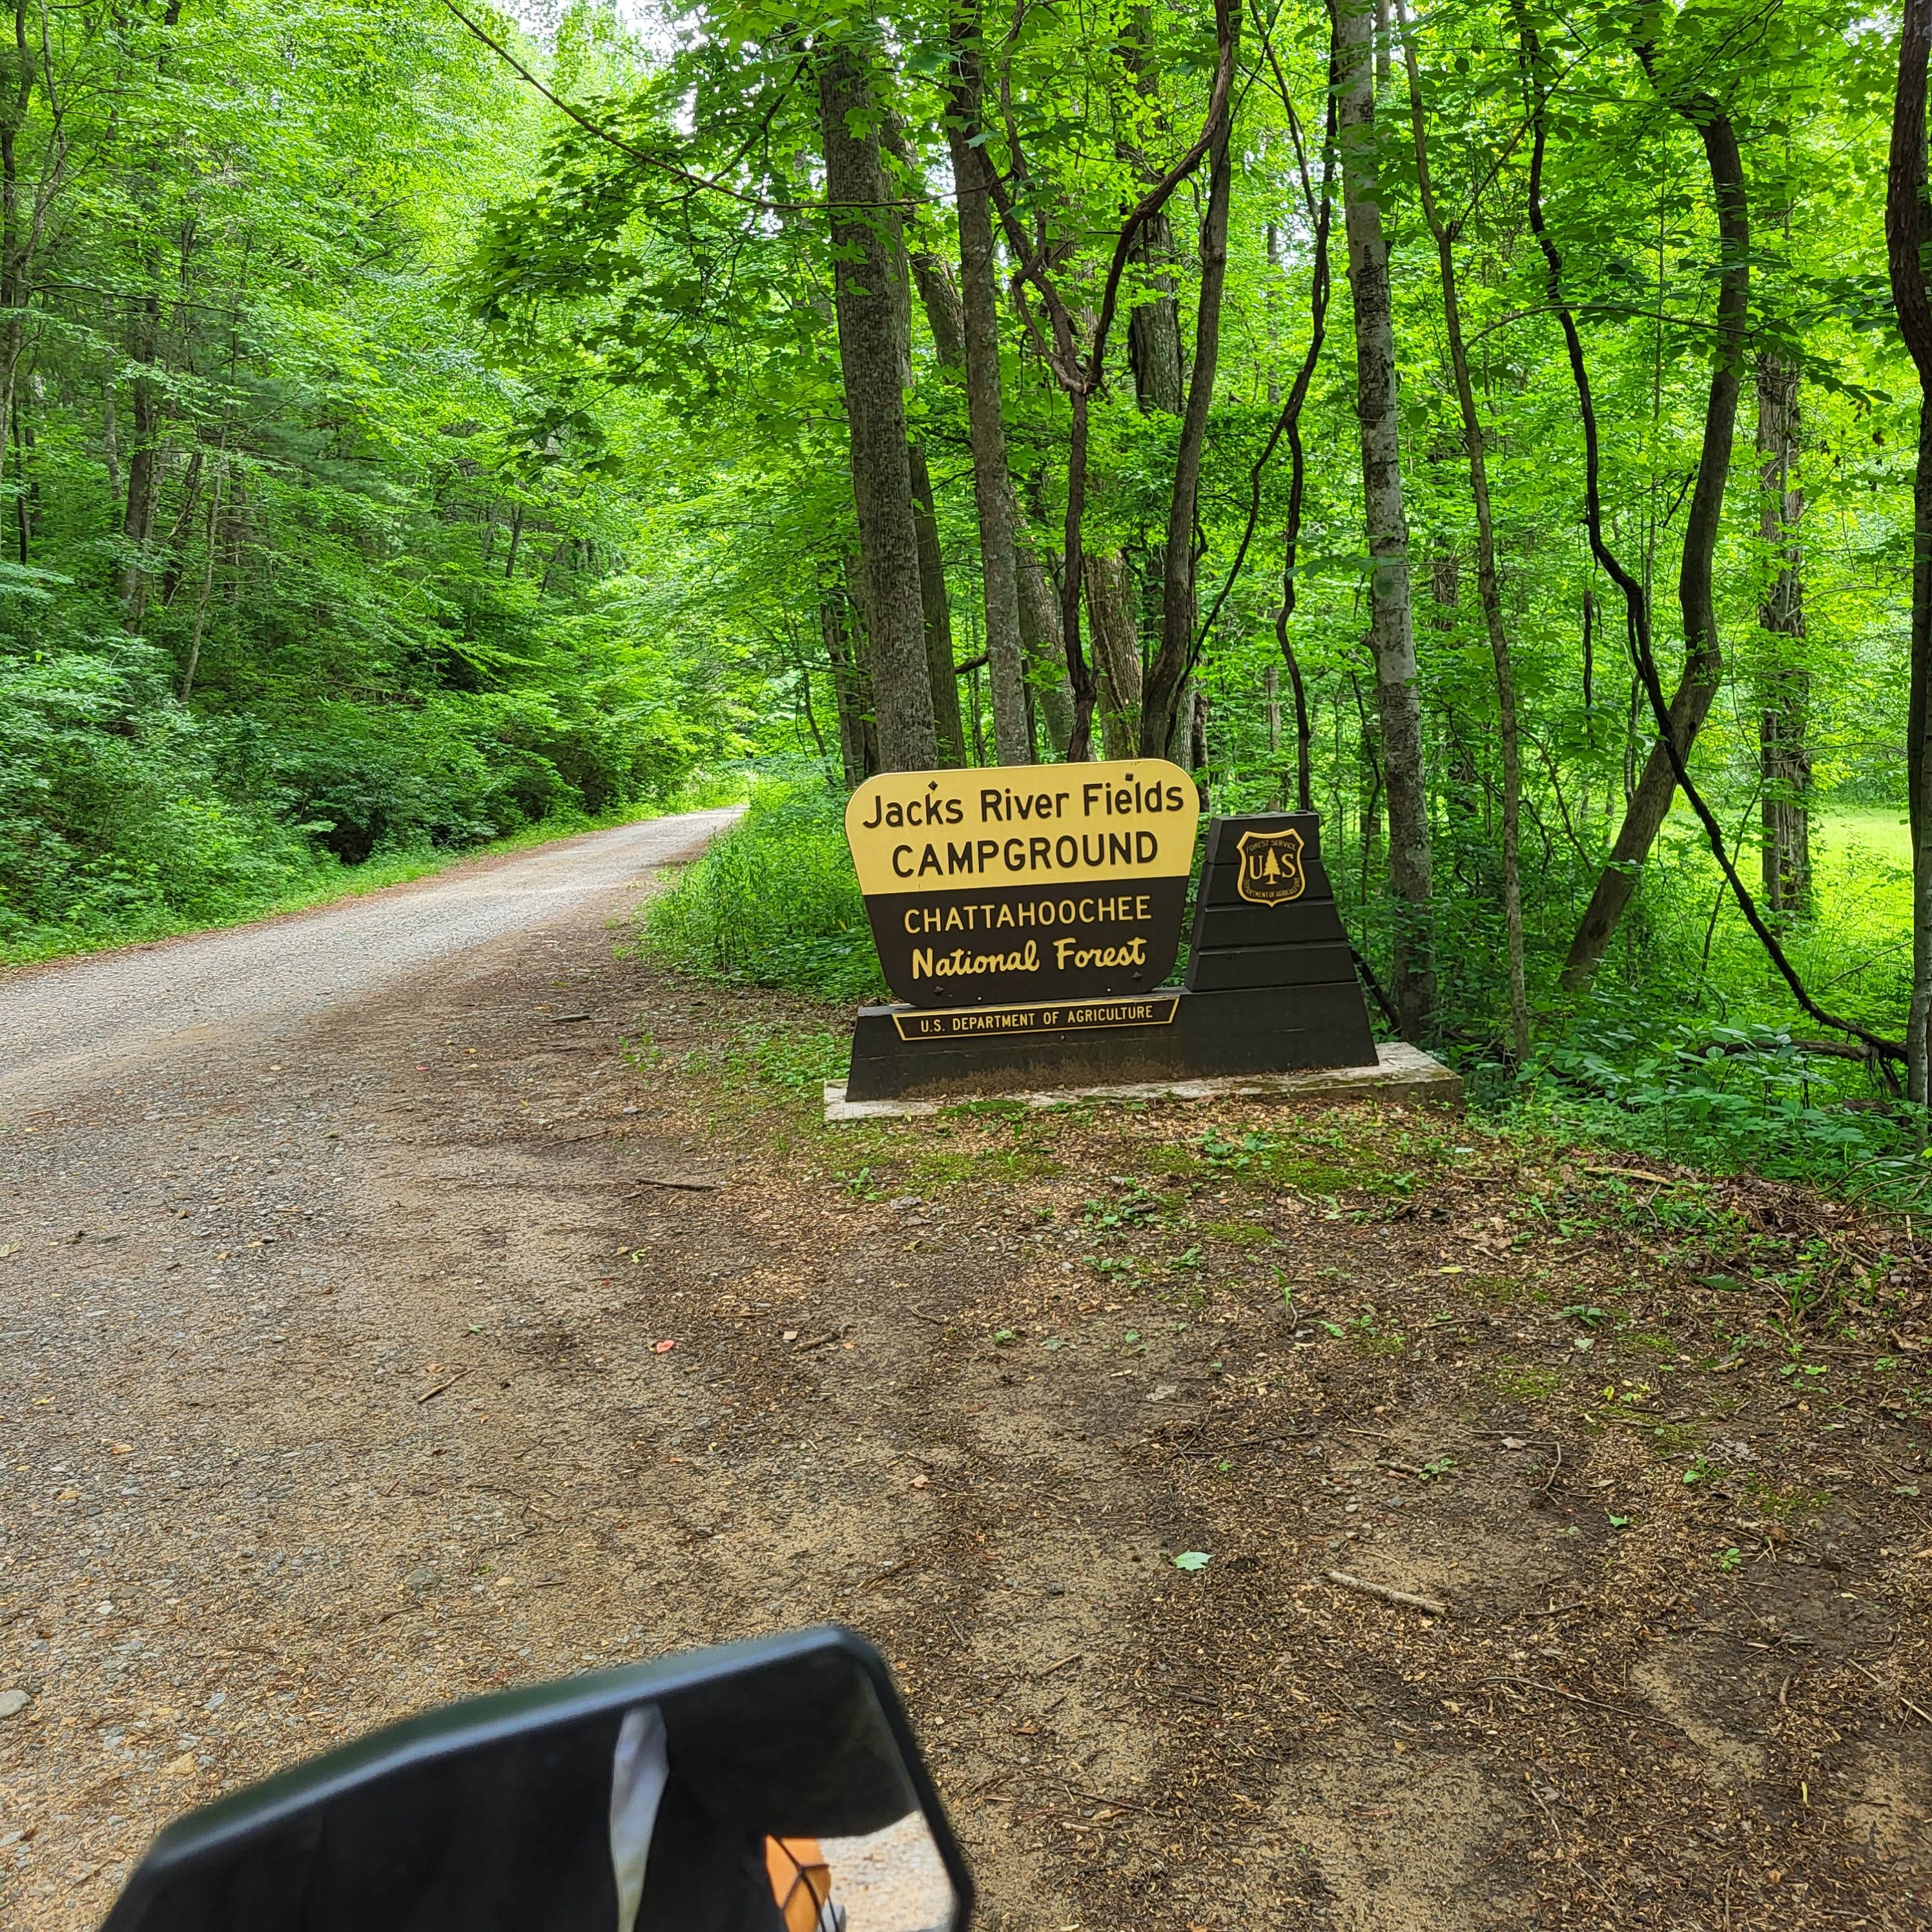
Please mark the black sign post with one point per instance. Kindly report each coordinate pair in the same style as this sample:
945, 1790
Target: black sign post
1070, 998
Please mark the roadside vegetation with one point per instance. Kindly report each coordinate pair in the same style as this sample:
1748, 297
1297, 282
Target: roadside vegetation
1676, 1056
392, 463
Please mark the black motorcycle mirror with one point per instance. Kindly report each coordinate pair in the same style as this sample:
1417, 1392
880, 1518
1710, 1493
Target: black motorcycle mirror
767, 1786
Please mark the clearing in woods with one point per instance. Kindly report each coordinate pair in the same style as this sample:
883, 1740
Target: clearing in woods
379, 1337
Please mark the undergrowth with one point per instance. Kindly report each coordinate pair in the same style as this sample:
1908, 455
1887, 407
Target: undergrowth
774, 903
1637, 1068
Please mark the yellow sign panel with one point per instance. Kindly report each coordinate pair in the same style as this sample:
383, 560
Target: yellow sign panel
1023, 825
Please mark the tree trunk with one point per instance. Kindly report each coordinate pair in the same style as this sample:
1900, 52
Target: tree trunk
110, 441
1174, 659
1398, 695
1703, 657
1783, 713
1153, 327
193, 663
1157, 361
1042, 646
938, 615
1368, 784
144, 473
944, 315
1113, 632
1488, 589
992, 483
1908, 229
849, 695
870, 293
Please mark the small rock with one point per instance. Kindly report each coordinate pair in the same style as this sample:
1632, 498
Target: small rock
1163, 1391
13, 1703
920, 1482
183, 1766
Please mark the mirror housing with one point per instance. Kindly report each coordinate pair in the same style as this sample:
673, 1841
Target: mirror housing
740, 1789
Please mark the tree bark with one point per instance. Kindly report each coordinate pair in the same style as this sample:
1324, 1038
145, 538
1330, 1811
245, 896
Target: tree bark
1398, 695
1114, 633
1077, 351
850, 695
1042, 646
144, 461
993, 497
1703, 656
1488, 589
938, 615
1154, 353
1908, 229
870, 293
1785, 757
944, 315
1153, 325
193, 663
1174, 659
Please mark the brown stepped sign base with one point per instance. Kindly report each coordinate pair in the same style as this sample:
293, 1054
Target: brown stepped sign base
1270, 988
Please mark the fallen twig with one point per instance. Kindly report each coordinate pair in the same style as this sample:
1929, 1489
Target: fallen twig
1595, 1703
1918, 1711
430, 1395
674, 1180
1052, 1668
1117, 1804
1406, 1599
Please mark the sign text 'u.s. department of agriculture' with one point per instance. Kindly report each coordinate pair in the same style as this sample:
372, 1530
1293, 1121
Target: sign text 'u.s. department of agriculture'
1028, 883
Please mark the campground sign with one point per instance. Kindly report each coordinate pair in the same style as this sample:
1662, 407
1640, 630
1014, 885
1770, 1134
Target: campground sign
1028, 920
1056, 886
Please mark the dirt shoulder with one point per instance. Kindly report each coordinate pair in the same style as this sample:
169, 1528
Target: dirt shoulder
337, 1364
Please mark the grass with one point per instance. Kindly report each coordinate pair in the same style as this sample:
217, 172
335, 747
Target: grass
774, 903
1239, 1234
1521, 1385
1686, 1050
331, 882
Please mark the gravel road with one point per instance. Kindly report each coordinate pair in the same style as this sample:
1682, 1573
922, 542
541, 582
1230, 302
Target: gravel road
235, 1282
416, 1298
64, 1026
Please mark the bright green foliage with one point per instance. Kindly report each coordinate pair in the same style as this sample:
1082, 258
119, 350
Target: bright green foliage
303, 566
501, 475
775, 903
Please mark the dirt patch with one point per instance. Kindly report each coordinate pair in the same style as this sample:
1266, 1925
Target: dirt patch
378, 1413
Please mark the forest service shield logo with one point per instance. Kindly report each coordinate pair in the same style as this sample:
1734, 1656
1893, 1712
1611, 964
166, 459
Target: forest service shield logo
1271, 871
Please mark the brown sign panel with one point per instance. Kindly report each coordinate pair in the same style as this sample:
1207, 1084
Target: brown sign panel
1025, 884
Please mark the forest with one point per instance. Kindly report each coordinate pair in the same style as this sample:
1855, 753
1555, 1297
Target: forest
1495, 428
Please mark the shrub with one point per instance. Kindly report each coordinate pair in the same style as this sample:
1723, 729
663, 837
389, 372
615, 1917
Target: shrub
775, 901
